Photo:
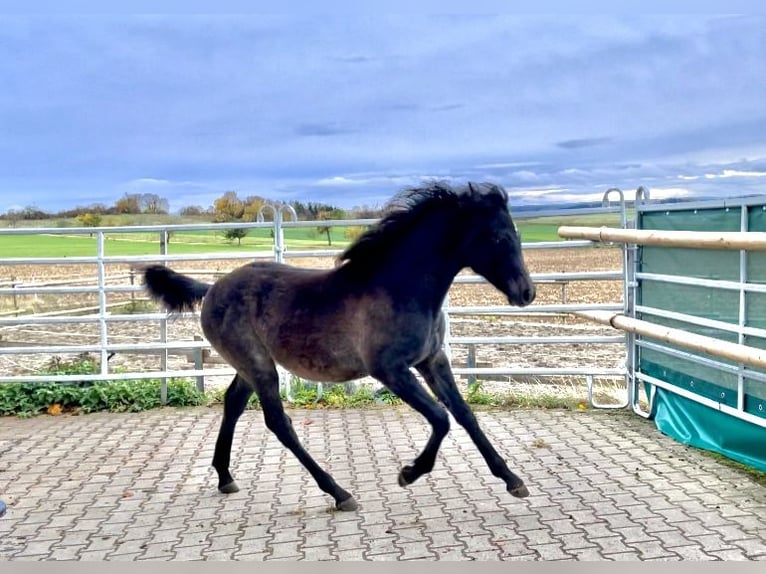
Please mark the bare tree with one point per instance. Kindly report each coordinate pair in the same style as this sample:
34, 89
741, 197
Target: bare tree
153, 203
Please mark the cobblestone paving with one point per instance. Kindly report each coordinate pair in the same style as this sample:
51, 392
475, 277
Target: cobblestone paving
604, 486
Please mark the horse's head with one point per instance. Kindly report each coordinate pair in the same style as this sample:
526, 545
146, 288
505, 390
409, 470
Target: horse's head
494, 248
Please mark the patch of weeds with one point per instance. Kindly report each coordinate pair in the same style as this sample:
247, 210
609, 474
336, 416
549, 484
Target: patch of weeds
216, 396
82, 364
476, 395
336, 397
363, 396
541, 401
386, 397
135, 306
29, 399
303, 394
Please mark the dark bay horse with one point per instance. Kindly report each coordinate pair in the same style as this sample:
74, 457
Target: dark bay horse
378, 313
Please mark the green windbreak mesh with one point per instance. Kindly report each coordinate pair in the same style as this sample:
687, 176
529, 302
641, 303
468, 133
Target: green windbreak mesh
724, 219
755, 397
705, 264
682, 418
692, 300
755, 310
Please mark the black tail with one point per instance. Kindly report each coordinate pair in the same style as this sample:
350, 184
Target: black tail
174, 291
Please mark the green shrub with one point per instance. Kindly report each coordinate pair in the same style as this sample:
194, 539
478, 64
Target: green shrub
28, 399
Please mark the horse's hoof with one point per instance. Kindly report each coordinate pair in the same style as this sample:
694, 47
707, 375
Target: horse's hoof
347, 505
519, 492
407, 476
230, 488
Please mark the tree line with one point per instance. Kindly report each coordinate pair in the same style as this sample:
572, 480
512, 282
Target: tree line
229, 207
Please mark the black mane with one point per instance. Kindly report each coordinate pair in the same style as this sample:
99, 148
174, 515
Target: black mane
404, 212
407, 209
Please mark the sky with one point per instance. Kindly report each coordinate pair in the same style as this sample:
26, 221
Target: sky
350, 110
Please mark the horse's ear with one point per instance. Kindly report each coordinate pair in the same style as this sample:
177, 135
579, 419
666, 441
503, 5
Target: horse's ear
500, 190
489, 194
477, 191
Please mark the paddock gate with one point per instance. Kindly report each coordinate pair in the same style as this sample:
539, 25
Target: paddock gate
696, 312
714, 298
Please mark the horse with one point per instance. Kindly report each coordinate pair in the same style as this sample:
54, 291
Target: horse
377, 313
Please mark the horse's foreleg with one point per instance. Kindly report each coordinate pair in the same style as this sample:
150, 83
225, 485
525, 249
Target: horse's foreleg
404, 385
437, 373
280, 424
234, 403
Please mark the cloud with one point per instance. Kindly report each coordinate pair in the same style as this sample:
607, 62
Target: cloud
665, 193
353, 59
321, 129
148, 182
447, 107
738, 173
583, 142
337, 180
351, 109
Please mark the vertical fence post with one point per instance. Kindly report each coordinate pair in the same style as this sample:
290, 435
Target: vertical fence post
101, 275
164, 330
743, 226
470, 362
279, 257
279, 237
447, 331
632, 263
199, 364
15, 298
132, 276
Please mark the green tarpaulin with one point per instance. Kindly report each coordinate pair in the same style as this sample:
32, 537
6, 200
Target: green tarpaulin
688, 421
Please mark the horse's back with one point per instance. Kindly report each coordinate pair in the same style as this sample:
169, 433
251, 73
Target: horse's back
257, 288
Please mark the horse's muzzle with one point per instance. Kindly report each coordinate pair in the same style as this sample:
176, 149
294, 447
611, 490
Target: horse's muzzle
528, 295
522, 293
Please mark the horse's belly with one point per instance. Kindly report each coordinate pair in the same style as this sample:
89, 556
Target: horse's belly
336, 375
323, 366
325, 374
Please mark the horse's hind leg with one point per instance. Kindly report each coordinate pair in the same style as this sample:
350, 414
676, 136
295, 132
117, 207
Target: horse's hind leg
234, 403
404, 384
267, 388
437, 373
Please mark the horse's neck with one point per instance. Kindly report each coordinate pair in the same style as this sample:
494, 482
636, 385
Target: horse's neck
422, 273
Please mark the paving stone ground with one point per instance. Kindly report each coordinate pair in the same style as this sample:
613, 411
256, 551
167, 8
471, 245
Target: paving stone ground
604, 486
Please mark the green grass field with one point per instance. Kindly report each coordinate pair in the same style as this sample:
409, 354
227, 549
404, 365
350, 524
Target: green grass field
149, 244
187, 242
